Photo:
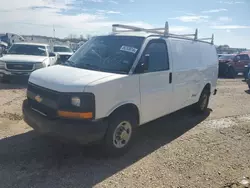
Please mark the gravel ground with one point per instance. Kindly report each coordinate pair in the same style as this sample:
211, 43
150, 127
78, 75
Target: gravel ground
192, 151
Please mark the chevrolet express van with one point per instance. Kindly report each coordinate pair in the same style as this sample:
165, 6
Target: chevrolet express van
117, 82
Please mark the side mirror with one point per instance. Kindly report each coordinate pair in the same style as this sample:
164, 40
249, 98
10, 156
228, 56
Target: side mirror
51, 54
143, 64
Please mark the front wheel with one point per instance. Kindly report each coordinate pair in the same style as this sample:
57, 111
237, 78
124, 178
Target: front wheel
120, 134
202, 104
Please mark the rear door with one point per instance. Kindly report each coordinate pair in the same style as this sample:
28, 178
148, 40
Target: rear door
156, 83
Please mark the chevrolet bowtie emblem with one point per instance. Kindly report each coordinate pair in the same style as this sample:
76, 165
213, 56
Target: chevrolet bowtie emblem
38, 98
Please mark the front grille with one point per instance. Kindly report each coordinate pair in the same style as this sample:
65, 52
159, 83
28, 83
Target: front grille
47, 93
49, 109
20, 66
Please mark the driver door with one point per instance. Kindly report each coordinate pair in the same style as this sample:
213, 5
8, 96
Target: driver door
156, 86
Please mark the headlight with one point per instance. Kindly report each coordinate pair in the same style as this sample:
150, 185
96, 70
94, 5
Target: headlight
39, 65
77, 105
2, 65
76, 101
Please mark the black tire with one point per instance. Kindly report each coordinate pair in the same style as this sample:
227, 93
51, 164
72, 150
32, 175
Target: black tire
115, 120
202, 104
246, 70
231, 73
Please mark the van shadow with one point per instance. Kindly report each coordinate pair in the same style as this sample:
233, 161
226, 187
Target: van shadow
40, 161
247, 91
15, 83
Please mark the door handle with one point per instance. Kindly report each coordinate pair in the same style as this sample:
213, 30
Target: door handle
170, 77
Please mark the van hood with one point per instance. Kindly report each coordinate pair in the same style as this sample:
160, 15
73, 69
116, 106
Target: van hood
23, 58
66, 79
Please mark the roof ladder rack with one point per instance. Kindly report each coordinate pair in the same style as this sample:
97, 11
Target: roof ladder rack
159, 31
212, 39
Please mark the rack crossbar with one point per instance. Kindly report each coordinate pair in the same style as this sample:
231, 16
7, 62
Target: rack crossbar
159, 31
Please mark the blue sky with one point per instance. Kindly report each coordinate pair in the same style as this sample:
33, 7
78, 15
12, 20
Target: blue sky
229, 20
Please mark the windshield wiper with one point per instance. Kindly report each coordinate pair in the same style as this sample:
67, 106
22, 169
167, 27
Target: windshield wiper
116, 71
70, 63
93, 67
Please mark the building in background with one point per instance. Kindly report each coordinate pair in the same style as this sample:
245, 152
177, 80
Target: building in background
11, 38
225, 49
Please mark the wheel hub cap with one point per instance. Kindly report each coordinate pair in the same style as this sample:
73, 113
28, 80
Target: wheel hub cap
122, 134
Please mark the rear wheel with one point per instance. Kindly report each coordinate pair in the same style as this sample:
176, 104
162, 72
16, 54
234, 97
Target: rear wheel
120, 134
202, 104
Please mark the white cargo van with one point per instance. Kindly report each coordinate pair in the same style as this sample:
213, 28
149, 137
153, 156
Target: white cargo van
115, 83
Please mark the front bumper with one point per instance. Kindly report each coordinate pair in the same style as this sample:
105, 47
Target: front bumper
8, 74
84, 132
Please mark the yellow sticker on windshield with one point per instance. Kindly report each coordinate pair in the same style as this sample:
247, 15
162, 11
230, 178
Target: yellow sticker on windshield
129, 49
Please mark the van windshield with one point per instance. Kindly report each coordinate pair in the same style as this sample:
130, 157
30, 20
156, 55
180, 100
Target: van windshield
107, 53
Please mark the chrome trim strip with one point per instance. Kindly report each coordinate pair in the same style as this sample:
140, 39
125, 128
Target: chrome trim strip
38, 111
18, 70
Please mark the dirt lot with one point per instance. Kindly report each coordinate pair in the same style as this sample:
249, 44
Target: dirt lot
180, 150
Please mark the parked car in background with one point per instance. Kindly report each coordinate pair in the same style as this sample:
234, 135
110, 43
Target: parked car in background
219, 55
115, 83
63, 53
23, 58
240, 61
225, 62
233, 64
3, 48
246, 72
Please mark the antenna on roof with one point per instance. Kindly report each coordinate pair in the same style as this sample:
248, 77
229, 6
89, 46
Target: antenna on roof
159, 31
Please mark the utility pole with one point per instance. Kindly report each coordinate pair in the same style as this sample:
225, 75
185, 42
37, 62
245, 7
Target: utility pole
54, 31
53, 35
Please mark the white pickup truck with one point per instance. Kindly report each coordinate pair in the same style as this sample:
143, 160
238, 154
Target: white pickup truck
63, 53
115, 83
23, 58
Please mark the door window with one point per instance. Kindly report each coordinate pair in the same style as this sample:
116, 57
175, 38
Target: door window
242, 57
158, 56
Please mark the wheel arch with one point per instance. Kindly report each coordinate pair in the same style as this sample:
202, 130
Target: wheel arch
129, 106
207, 87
